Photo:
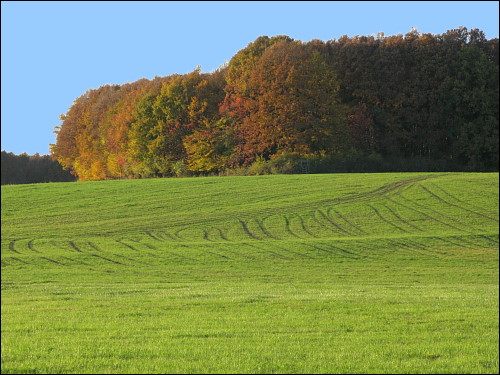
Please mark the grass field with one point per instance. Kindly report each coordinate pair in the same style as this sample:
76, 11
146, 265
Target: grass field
339, 273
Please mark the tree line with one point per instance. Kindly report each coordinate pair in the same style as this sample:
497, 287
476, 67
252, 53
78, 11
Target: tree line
364, 103
30, 169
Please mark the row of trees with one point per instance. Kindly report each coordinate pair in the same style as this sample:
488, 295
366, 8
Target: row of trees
30, 169
404, 97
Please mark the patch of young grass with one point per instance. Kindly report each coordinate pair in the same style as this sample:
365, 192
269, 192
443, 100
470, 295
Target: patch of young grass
351, 273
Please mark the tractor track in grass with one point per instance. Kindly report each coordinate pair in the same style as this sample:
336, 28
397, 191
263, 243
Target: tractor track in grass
262, 215
459, 241
427, 215
127, 245
95, 247
152, 247
233, 252
323, 215
76, 248
149, 246
294, 217
351, 253
288, 251
73, 245
53, 261
326, 220
154, 256
260, 224
164, 233
304, 228
18, 260
32, 247
74, 260
378, 192
86, 264
266, 251
331, 226
465, 226
132, 259
333, 250
196, 248
402, 219
56, 244
489, 239
469, 241
321, 224
251, 232
343, 218
446, 192
208, 251
159, 251
404, 246
12, 247
247, 231
326, 217
221, 234
270, 230
288, 229
271, 227
420, 246
152, 236
205, 235
177, 233
107, 259
302, 255
455, 205
386, 220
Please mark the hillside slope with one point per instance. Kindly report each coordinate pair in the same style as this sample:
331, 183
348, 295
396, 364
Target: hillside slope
341, 273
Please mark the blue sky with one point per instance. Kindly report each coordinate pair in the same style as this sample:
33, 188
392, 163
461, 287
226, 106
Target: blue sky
52, 52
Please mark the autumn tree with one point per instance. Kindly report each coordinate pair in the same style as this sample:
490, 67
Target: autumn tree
401, 97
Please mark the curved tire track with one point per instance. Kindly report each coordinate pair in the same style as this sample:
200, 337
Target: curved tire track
427, 215
12, 248
343, 218
302, 224
325, 216
32, 247
455, 205
260, 224
53, 261
247, 231
386, 220
402, 220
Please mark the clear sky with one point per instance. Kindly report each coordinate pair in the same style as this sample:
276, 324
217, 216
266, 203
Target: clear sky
54, 51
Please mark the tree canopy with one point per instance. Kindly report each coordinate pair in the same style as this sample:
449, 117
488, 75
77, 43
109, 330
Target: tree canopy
401, 97
30, 169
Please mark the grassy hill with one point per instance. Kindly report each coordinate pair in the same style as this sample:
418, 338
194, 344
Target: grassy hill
341, 273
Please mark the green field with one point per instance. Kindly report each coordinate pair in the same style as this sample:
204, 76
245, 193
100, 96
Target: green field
337, 273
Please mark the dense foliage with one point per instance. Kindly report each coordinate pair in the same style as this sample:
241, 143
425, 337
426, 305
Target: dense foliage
364, 103
29, 169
